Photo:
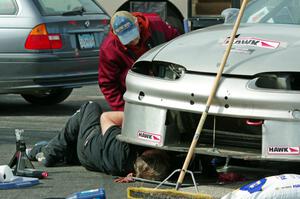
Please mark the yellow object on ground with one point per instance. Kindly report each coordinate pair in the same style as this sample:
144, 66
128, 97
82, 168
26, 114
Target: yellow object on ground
150, 193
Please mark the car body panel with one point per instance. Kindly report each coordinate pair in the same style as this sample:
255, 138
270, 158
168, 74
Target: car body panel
213, 41
241, 99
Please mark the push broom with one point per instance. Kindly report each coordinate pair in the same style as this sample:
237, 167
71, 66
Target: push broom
142, 192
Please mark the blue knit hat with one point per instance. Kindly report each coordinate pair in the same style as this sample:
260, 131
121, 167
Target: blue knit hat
124, 26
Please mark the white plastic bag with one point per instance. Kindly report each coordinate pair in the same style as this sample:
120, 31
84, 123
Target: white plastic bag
6, 174
285, 186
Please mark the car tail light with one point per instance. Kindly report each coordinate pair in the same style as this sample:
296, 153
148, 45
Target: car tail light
104, 21
39, 39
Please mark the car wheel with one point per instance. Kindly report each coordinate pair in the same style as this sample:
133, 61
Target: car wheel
50, 97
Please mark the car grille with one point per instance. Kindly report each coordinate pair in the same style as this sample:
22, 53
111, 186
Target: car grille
223, 138
229, 132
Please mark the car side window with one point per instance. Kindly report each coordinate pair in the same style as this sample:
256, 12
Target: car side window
8, 7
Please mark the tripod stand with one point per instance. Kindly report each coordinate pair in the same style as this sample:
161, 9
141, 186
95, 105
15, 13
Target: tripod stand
20, 161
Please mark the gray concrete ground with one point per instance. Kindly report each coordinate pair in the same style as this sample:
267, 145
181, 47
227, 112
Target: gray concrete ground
42, 123
62, 181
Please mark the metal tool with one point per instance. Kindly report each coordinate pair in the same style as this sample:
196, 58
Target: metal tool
20, 161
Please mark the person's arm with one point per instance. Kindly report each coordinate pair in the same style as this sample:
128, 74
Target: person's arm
109, 82
109, 119
109, 79
170, 31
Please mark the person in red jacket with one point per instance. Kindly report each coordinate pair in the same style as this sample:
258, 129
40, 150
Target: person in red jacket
131, 35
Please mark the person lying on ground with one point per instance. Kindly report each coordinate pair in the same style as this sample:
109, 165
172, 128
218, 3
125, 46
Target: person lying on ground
89, 138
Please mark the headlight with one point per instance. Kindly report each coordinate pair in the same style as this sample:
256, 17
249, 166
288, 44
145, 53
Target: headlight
168, 71
277, 81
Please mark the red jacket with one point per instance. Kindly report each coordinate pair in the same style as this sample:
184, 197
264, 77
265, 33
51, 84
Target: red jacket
116, 59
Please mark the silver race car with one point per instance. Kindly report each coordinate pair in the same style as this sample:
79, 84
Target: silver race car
256, 111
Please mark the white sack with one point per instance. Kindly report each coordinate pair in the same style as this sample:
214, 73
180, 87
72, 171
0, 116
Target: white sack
285, 186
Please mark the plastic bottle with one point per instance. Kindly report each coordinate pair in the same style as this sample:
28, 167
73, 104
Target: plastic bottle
88, 194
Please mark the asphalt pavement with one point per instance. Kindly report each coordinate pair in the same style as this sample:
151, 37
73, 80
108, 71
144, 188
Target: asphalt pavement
62, 180
42, 123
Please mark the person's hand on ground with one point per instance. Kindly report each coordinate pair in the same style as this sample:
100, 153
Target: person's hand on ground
127, 179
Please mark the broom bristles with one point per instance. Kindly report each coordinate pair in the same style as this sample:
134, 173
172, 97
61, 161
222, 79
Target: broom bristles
148, 193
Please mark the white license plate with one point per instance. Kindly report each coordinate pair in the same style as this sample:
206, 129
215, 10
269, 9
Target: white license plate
86, 41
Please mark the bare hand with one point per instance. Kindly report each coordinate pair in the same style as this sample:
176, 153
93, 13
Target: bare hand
127, 179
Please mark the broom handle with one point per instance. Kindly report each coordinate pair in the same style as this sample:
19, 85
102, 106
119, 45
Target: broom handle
210, 98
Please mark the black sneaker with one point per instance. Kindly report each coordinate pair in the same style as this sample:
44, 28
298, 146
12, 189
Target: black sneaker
37, 148
41, 159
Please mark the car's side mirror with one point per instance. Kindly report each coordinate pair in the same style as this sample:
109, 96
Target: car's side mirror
230, 15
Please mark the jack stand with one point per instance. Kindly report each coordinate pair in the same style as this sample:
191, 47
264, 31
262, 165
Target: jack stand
21, 162
226, 167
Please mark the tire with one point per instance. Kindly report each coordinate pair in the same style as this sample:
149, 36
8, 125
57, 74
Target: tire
50, 97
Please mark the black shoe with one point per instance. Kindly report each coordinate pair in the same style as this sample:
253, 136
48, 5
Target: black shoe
37, 148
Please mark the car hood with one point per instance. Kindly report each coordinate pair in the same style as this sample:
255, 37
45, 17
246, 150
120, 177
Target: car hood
258, 48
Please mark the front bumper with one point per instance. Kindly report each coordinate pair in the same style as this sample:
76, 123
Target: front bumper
148, 101
277, 140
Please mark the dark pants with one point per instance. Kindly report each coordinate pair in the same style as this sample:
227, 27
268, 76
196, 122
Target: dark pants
72, 144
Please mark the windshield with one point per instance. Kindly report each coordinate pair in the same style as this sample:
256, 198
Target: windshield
271, 11
67, 7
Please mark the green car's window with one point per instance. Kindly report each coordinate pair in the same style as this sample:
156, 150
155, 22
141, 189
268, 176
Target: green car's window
68, 7
8, 7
